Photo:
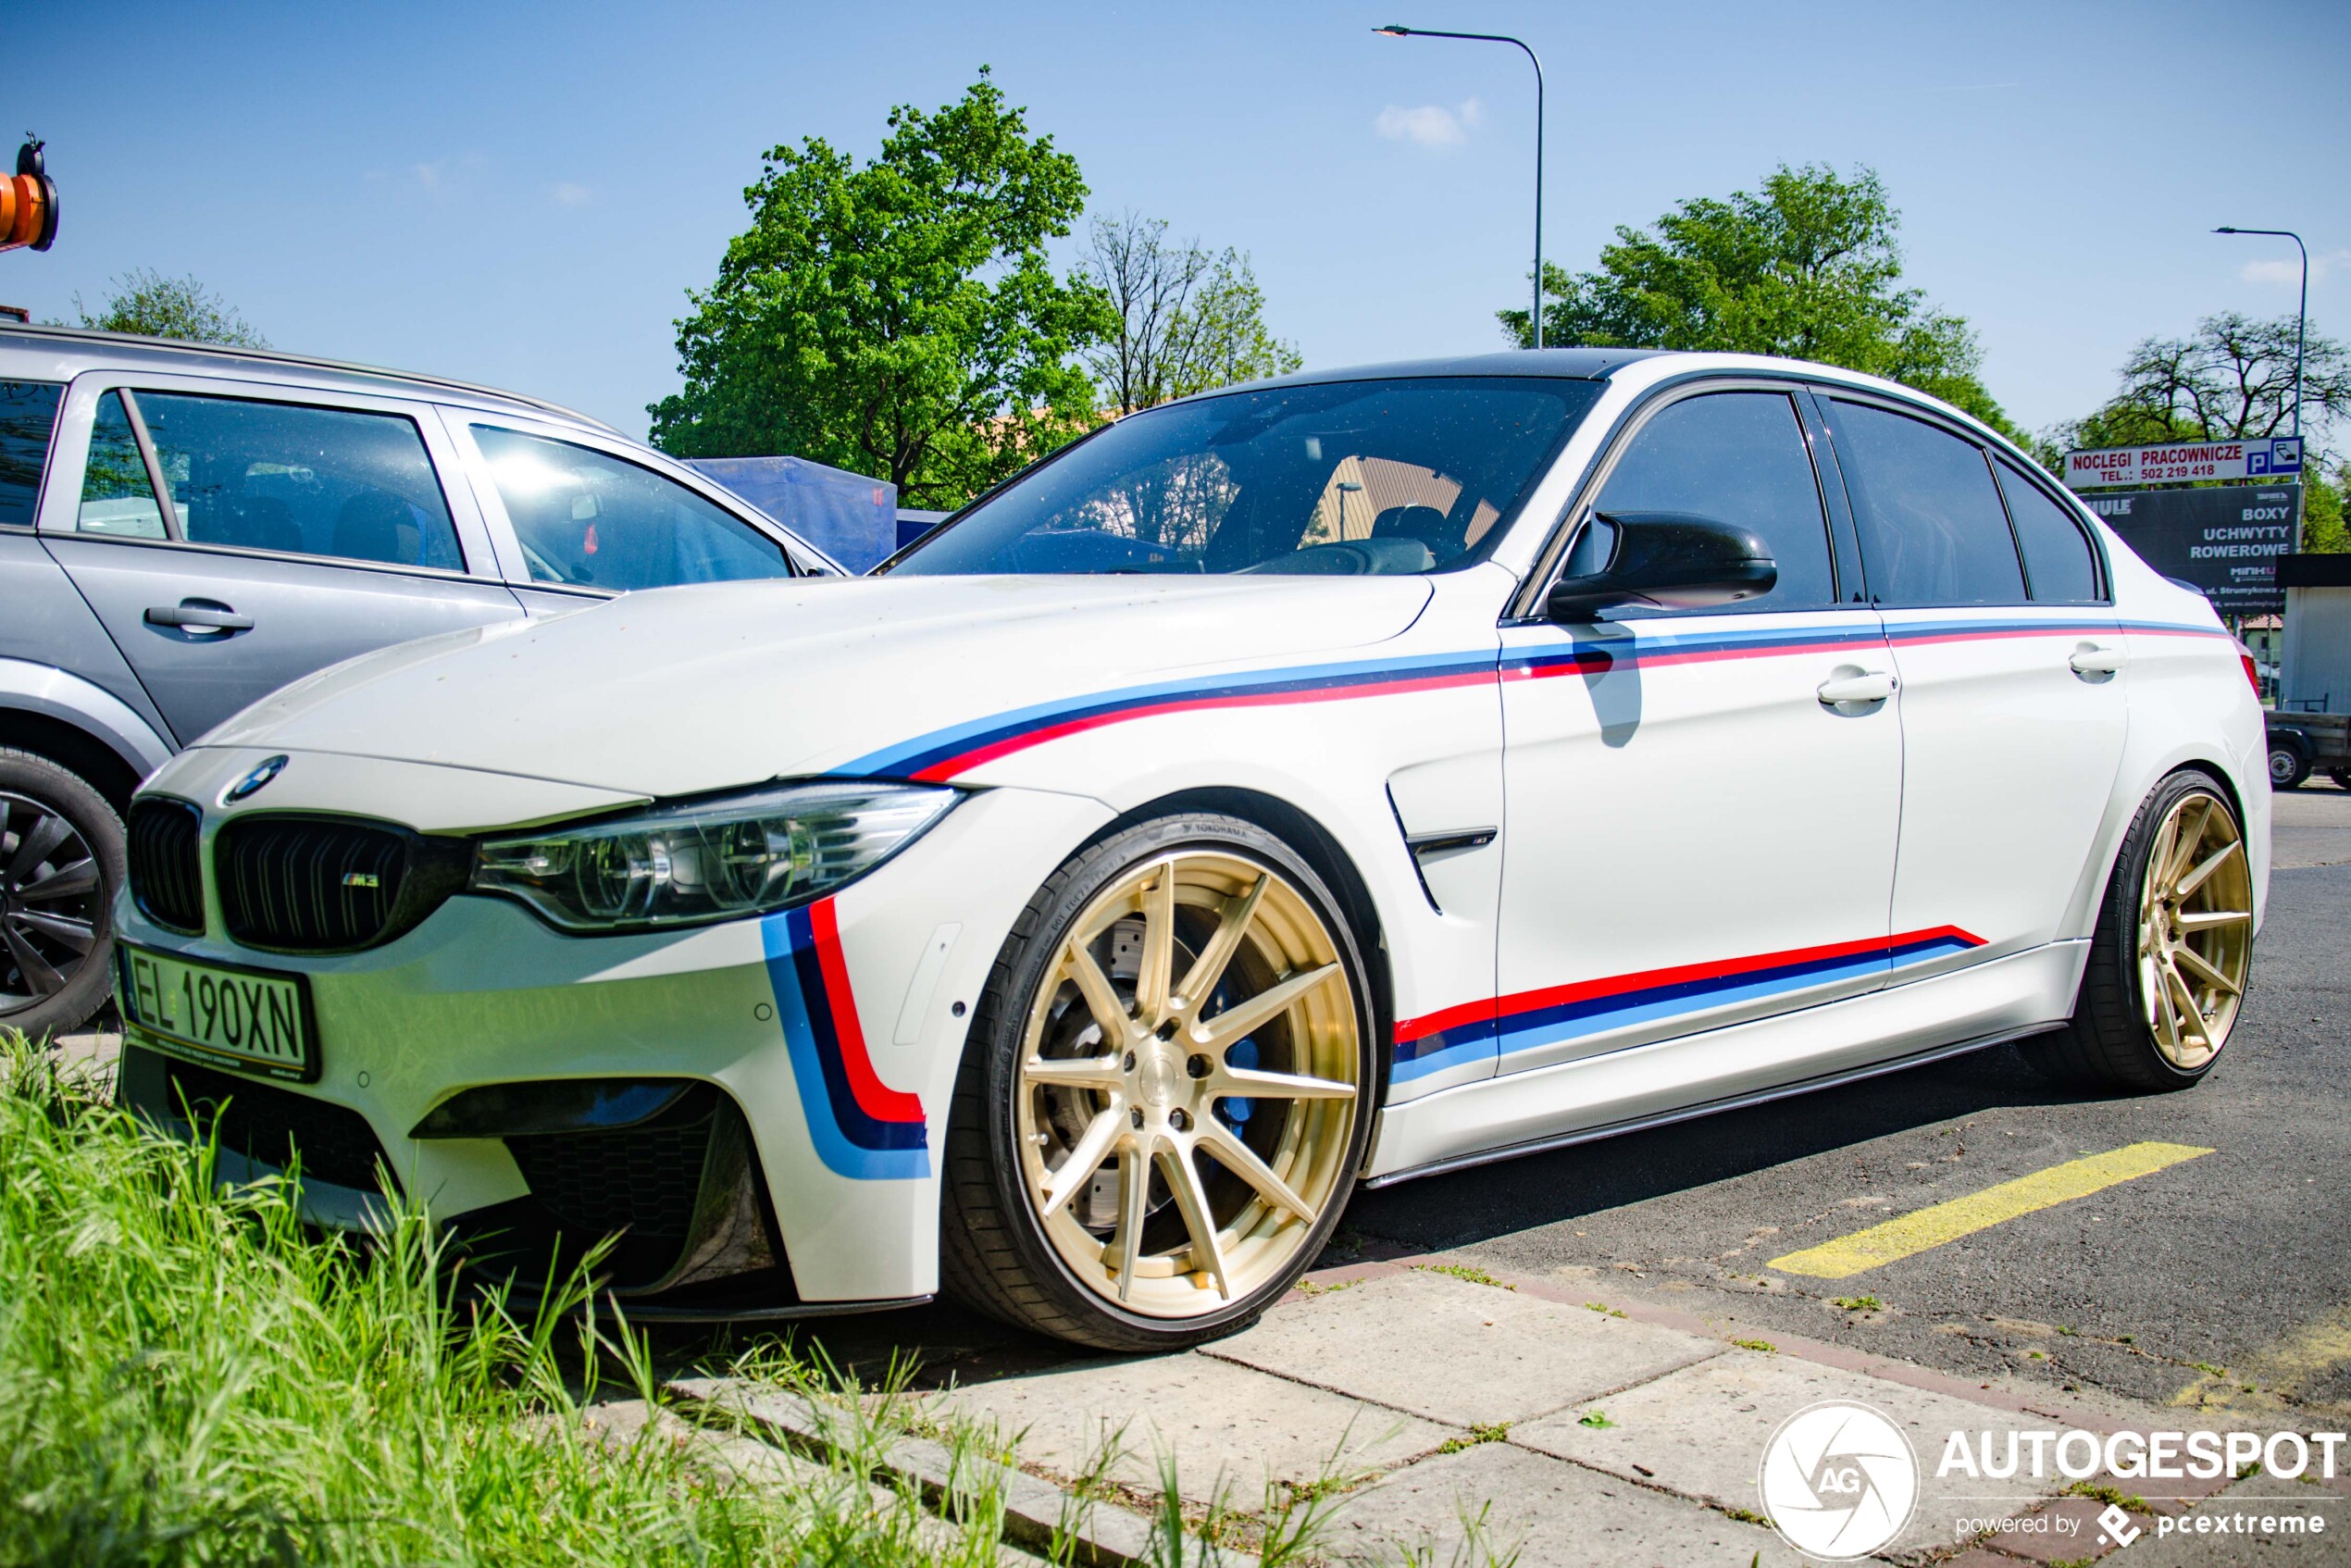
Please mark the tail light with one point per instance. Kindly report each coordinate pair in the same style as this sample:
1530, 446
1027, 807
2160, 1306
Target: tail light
2252, 672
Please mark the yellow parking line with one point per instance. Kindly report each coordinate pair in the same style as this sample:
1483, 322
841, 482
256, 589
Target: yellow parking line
1939, 1223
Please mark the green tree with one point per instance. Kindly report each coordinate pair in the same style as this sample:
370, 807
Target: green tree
1810, 267
2231, 380
1190, 320
897, 319
146, 302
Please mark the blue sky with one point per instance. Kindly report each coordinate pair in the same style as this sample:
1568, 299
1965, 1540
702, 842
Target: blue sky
523, 195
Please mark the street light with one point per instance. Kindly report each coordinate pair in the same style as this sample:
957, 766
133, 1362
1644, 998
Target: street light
1392, 30
2301, 317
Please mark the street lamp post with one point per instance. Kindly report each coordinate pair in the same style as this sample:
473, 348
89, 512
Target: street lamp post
2302, 316
1392, 30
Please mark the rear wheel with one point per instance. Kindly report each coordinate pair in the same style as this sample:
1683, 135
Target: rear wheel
1166, 1096
2172, 951
61, 859
2341, 777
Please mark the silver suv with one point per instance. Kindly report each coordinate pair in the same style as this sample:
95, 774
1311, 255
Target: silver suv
183, 530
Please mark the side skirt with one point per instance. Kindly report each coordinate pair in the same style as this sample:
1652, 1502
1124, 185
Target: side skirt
1691, 1113
1549, 1107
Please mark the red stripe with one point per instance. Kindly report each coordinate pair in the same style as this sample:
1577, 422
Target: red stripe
1444, 1018
966, 761
874, 1098
1656, 979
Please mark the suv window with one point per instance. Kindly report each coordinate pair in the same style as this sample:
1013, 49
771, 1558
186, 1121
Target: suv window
595, 521
28, 412
116, 498
2060, 561
1932, 529
301, 481
1737, 457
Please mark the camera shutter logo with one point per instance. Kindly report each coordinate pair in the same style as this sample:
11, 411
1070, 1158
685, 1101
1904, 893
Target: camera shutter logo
1840, 1480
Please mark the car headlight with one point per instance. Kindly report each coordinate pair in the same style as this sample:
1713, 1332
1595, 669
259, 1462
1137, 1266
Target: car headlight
715, 860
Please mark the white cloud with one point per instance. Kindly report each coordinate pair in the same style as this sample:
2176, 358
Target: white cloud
2287, 271
571, 196
1431, 125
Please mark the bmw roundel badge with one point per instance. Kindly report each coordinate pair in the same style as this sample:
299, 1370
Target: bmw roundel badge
268, 769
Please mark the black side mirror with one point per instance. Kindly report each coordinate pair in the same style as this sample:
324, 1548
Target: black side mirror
1673, 560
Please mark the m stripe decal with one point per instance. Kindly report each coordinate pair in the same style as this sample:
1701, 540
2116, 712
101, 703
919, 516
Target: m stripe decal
861, 1126
944, 754
1528, 1019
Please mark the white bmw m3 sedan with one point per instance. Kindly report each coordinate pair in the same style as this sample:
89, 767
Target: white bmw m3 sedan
1321, 782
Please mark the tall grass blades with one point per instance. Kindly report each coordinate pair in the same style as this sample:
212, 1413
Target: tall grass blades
192, 1376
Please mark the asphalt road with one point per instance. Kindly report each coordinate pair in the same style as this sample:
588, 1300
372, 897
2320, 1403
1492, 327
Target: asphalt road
2228, 1270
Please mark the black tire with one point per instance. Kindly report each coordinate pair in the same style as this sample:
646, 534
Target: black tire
2289, 763
38, 794
2108, 1043
993, 1253
2341, 777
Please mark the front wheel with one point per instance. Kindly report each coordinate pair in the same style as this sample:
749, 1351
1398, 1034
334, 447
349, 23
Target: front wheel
1166, 1093
2172, 951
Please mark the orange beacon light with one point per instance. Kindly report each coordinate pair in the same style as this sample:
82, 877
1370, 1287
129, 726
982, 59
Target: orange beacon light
28, 202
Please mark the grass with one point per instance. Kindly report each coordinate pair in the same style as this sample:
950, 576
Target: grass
1763, 1345
2129, 1501
1475, 1436
189, 1375
1857, 1304
1602, 1308
1470, 1271
1596, 1418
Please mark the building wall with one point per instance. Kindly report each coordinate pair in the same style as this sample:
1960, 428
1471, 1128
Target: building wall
2318, 649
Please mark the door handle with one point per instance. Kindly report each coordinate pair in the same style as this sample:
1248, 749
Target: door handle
1866, 686
197, 612
2091, 659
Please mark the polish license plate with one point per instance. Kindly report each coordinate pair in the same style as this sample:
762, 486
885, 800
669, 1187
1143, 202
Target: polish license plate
247, 1019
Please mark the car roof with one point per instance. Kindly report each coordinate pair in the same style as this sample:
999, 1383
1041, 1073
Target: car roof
1571, 364
66, 351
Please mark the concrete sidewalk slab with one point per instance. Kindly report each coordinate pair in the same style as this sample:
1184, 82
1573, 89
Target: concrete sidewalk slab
1456, 1351
1225, 1425
1702, 1431
1551, 1514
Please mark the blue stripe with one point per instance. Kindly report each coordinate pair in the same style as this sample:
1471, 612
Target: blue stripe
796, 1008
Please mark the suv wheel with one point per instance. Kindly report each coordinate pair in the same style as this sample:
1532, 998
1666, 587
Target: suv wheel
61, 859
2172, 954
1166, 1093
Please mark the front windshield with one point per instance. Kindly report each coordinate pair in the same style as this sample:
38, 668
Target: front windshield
1344, 479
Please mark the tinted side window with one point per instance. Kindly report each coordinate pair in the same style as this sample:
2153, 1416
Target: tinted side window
116, 495
2058, 556
28, 412
1739, 458
300, 481
1932, 529
600, 522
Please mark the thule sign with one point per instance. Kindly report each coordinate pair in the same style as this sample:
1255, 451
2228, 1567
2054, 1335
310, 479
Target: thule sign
2265, 458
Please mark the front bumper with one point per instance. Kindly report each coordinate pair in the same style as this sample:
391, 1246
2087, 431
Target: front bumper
833, 1032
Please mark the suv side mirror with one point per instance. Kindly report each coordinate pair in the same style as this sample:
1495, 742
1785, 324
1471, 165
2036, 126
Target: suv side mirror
1673, 560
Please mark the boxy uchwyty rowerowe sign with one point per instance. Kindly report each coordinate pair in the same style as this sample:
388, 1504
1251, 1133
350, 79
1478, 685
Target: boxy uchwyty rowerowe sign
2225, 540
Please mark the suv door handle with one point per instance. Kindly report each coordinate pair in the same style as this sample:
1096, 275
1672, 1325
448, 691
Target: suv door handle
2092, 659
1867, 686
198, 613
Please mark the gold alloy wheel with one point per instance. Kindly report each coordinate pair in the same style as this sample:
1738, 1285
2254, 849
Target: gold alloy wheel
1190, 1085
2195, 930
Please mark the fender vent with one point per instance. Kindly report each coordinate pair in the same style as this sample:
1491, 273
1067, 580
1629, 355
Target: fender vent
167, 877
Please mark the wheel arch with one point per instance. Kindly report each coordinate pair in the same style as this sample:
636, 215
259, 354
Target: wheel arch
2083, 911
79, 726
1320, 849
